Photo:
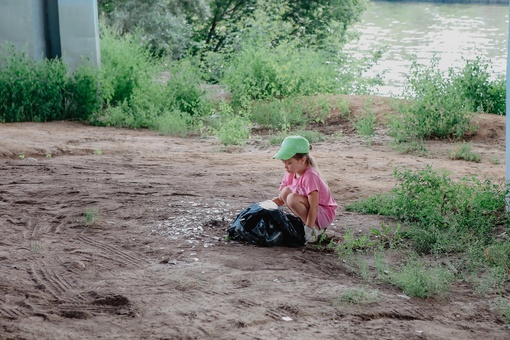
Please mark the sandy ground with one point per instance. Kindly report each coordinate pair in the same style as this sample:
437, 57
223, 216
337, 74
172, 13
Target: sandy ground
155, 263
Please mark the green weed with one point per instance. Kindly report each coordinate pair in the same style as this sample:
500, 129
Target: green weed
442, 215
489, 280
503, 307
474, 82
278, 114
417, 279
433, 108
390, 236
233, 128
413, 147
352, 244
495, 160
90, 217
365, 123
464, 151
45, 90
359, 296
36, 247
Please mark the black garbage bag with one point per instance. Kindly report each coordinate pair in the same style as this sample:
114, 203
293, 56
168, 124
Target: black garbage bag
264, 224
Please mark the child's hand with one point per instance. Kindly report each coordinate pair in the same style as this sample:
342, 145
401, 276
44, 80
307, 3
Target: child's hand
278, 201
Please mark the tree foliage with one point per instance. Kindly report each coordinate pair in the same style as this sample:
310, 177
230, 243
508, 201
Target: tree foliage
173, 27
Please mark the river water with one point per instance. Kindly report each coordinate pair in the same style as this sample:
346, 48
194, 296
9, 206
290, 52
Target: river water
449, 31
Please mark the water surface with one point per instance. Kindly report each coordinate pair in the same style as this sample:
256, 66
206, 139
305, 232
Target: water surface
449, 31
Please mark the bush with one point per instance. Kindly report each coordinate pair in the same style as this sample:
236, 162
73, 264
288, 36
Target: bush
259, 72
475, 84
81, 93
418, 280
40, 91
232, 128
443, 215
141, 95
126, 65
433, 108
278, 114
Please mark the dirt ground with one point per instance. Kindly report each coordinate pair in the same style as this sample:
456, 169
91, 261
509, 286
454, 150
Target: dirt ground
152, 261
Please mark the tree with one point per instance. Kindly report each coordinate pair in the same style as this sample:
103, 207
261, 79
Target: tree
165, 26
173, 26
313, 21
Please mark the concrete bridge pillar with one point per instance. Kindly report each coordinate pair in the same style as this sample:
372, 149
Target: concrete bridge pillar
52, 28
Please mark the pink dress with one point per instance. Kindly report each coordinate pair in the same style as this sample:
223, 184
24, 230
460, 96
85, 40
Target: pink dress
311, 181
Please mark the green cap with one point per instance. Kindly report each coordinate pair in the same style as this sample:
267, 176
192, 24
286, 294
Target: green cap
291, 146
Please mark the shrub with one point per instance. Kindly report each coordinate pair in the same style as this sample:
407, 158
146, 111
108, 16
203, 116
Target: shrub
126, 65
82, 97
417, 279
475, 84
41, 91
184, 88
140, 95
31, 90
442, 215
278, 114
259, 72
433, 108
464, 151
232, 128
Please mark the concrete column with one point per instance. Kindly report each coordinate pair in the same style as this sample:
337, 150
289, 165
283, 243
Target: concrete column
79, 32
22, 23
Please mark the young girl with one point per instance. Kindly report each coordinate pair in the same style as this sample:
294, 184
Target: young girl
303, 189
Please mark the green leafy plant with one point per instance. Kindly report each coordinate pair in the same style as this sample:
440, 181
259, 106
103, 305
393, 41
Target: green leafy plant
232, 128
495, 160
278, 114
475, 83
441, 214
390, 236
417, 279
503, 307
365, 124
45, 90
464, 151
36, 247
352, 244
433, 107
359, 296
413, 147
90, 217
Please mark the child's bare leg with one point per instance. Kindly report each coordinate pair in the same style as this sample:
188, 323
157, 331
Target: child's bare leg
299, 205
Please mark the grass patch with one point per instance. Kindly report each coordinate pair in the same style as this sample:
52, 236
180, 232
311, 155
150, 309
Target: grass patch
459, 220
358, 296
418, 279
91, 217
464, 151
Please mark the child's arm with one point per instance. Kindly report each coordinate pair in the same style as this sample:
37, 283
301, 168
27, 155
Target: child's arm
313, 201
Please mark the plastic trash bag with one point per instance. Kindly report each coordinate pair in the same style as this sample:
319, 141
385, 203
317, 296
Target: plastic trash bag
266, 225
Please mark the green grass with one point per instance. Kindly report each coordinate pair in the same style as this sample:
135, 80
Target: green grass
358, 296
458, 220
91, 217
464, 152
419, 279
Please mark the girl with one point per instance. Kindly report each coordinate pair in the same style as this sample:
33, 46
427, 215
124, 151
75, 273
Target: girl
303, 189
